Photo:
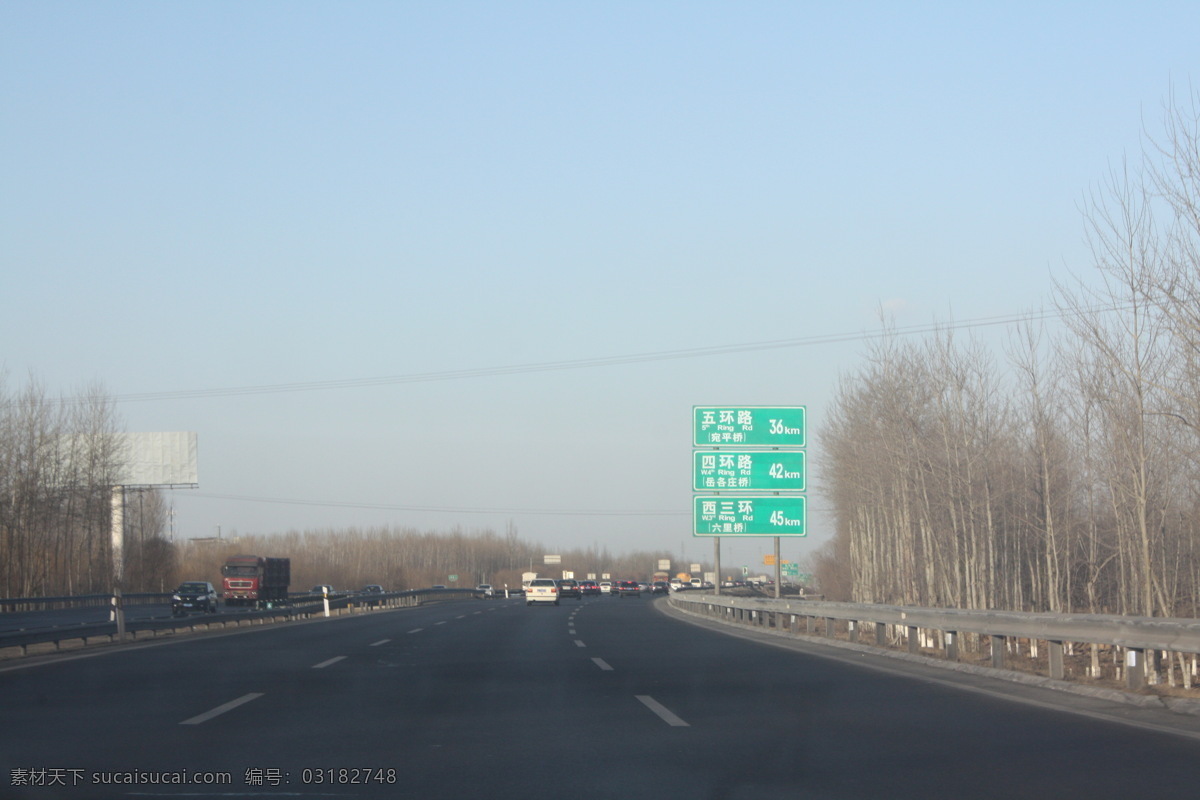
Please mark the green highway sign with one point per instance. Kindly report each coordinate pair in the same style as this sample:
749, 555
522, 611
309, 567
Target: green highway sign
749, 515
790, 569
748, 426
748, 470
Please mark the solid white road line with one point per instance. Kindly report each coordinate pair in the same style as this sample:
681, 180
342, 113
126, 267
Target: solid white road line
219, 710
381, 641
663, 712
325, 664
602, 664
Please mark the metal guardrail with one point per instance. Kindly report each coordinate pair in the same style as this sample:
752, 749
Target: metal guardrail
12, 604
301, 605
1137, 636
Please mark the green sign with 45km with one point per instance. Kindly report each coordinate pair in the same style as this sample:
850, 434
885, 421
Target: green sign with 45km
748, 426
750, 515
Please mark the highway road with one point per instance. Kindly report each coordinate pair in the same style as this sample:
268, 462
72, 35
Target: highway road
602, 697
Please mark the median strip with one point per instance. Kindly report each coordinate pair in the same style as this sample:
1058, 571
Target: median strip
221, 709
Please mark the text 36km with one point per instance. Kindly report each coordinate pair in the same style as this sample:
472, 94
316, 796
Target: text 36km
779, 428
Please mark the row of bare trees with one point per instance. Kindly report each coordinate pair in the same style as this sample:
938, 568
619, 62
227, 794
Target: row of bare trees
1063, 475
58, 463
403, 558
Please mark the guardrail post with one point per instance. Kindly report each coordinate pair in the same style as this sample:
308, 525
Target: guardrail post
1057, 670
810, 624
852, 630
914, 640
1135, 668
952, 645
999, 645
830, 627
881, 634
118, 614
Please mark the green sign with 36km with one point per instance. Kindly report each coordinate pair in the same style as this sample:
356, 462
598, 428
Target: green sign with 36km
748, 470
748, 426
750, 515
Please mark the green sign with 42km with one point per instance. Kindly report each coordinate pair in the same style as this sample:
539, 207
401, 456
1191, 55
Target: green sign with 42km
748, 470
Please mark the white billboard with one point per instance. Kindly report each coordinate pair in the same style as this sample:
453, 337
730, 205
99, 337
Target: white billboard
158, 459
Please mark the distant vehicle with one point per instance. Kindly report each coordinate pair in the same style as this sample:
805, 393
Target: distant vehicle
569, 587
371, 588
606, 587
438, 586
589, 588
676, 586
486, 590
322, 589
628, 589
541, 590
256, 581
659, 587
194, 596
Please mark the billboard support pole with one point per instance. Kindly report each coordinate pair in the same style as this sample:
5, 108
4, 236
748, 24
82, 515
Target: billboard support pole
118, 534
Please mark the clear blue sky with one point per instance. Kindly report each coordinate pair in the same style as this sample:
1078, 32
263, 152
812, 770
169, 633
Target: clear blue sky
198, 196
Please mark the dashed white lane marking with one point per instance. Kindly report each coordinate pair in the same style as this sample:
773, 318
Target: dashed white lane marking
663, 712
579, 643
602, 664
221, 709
461, 616
325, 664
416, 630
443, 622
571, 631
381, 641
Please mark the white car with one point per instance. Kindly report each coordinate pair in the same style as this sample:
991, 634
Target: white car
605, 587
541, 590
486, 590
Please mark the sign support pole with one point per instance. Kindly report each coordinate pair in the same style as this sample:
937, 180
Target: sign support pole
778, 573
717, 564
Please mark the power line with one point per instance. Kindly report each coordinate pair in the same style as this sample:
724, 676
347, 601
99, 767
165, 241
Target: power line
591, 363
442, 509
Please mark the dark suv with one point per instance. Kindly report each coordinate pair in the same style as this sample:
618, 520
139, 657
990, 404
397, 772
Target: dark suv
193, 596
569, 588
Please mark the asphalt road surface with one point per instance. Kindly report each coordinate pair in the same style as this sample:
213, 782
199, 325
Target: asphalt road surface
603, 697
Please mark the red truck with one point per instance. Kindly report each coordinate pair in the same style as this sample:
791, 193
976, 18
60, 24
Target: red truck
256, 581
